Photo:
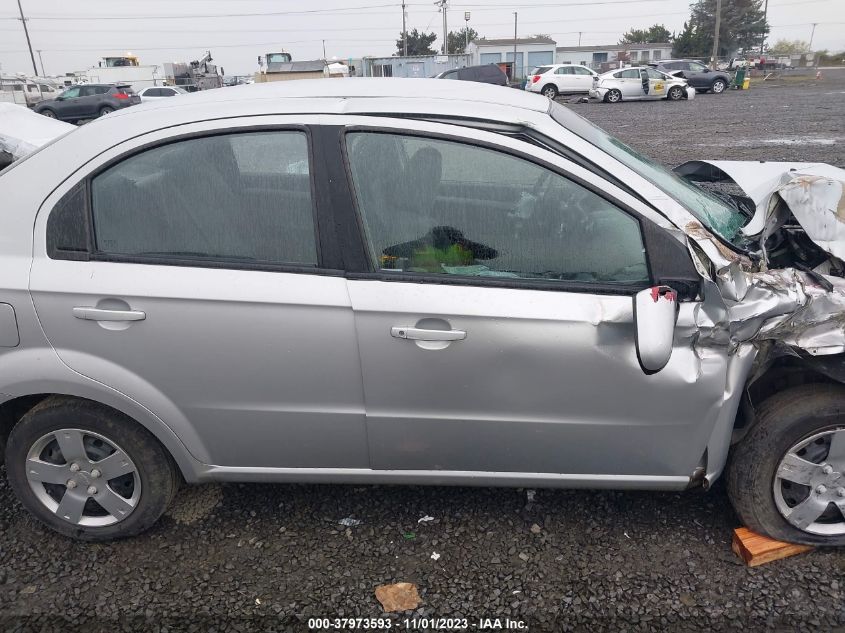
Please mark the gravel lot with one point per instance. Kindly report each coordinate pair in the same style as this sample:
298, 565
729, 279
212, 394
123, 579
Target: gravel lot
258, 557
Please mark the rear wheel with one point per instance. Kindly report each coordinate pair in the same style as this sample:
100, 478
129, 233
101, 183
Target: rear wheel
613, 96
676, 93
718, 86
549, 91
87, 471
105, 110
786, 478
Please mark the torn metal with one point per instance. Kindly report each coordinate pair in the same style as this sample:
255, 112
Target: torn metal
786, 294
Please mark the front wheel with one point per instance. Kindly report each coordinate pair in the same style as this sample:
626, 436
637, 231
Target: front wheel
676, 93
718, 86
613, 96
549, 91
786, 478
87, 471
48, 113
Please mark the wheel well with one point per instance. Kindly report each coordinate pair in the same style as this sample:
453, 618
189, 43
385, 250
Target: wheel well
548, 85
13, 410
784, 373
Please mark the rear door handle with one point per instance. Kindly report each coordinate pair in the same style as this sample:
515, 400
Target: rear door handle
99, 314
416, 334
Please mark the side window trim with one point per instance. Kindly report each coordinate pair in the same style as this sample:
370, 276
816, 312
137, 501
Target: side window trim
368, 272
326, 264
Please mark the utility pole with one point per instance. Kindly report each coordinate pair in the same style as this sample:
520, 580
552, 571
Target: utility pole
466, 31
513, 71
579, 38
812, 35
43, 74
442, 4
405, 32
28, 43
714, 61
765, 16
324, 50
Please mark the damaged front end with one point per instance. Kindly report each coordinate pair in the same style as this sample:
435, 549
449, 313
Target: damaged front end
784, 296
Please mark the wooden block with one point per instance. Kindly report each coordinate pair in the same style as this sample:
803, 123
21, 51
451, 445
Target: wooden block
756, 549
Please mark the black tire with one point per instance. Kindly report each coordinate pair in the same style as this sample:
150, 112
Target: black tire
676, 93
48, 113
783, 421
615, 98
550, 91
718, 86
106, 110
159, 478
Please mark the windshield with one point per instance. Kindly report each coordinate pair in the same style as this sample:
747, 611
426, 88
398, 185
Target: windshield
720, 217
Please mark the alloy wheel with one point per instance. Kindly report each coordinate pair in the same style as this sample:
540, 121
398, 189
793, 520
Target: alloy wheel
809, 485
718, 86
49, 114
550, 92
83, 477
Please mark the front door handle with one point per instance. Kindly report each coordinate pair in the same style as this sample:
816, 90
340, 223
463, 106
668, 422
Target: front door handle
99, 314
417, 334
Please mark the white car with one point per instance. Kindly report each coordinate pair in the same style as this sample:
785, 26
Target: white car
556, 79
154, 93
639, 83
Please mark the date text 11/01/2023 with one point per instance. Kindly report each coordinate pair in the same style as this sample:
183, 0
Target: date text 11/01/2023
417, 624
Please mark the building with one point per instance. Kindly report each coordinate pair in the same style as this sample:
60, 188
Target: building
606, 56
530, 53
285, 71
413, 66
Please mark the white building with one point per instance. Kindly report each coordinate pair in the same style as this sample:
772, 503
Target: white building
530, 53
612, 54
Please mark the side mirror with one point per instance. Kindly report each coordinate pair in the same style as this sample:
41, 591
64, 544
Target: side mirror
706, 70
60, 98
655, 316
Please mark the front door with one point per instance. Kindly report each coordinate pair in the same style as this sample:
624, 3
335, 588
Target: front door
205, 297
495, 326
71, 103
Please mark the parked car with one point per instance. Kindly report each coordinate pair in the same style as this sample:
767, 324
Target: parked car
236, 287
697, 74
88, 101
485, 74
154, 93
637, 84
556, 79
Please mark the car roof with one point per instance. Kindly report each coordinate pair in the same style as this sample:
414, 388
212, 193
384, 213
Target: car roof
265, 95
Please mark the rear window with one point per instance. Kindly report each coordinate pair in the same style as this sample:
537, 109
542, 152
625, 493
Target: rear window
542, 70
127, 89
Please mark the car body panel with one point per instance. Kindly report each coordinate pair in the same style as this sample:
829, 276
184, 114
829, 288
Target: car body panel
630, 82
697, 74
721, 336
567, 78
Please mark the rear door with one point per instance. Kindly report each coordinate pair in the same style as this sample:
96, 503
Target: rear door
494, 317
630, 83
206, 288
565, 79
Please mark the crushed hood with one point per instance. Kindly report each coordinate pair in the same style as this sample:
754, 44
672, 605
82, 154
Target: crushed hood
813, 192
22, 131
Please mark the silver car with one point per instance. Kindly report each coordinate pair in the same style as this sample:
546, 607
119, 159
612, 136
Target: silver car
639, 84
412, 281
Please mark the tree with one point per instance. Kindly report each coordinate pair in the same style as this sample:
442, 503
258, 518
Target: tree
655, 33
789, 47
458, 39
742, 27
689, 43
418, 43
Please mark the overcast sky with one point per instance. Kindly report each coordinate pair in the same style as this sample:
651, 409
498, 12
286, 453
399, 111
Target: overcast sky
74, 35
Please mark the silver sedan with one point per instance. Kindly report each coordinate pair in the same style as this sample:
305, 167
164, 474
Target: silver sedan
639, 84
336, 281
